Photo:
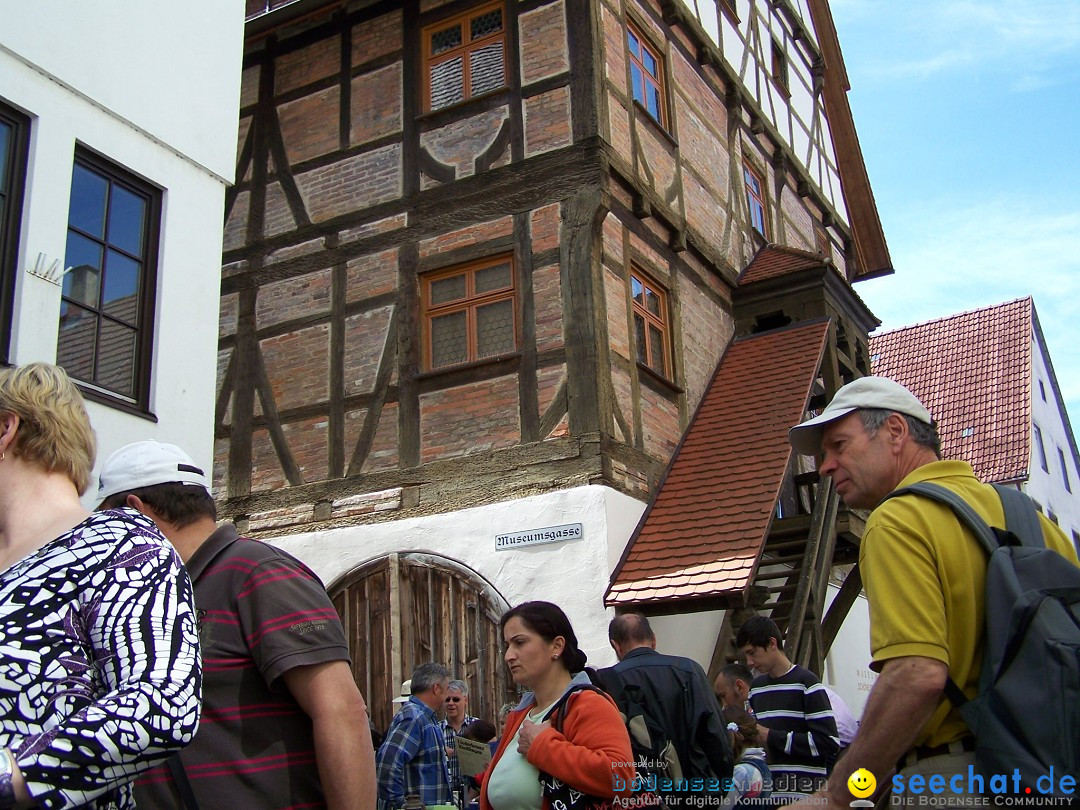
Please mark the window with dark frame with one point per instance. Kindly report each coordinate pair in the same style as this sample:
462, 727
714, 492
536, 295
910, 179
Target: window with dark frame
1040, 448
468, 313
1064, 471
646, 74
14, 141
465, 56
651, 328
107, 301
780, 68
755, 200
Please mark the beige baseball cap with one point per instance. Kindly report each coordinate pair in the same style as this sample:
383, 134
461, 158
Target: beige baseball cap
865, 392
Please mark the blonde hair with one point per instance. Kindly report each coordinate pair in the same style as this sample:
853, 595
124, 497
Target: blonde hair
54, 428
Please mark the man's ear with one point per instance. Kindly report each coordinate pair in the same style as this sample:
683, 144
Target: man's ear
137, 503
897, 428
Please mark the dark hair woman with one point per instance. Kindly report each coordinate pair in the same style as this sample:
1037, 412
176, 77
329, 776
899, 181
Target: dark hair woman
563, 734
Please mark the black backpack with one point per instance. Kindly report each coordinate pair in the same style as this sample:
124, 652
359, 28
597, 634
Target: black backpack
1032, 648
655, 757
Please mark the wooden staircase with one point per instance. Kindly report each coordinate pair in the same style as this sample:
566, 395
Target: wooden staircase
791, 580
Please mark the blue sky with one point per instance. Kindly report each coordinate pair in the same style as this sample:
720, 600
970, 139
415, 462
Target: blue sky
968, 112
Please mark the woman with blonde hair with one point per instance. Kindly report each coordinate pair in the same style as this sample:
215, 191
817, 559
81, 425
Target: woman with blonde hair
99, 665
565, 745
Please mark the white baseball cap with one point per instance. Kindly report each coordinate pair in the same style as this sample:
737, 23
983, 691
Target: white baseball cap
406, 691
146, 464
865, 392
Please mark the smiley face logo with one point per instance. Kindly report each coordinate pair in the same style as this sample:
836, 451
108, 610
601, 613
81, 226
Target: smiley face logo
862, 784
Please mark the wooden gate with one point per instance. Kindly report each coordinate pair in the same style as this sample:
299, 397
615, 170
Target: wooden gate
406, 609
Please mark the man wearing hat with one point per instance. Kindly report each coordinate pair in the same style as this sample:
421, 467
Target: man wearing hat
283, 723
923, 572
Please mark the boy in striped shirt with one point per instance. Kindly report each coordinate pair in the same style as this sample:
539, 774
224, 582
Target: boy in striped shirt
796, 726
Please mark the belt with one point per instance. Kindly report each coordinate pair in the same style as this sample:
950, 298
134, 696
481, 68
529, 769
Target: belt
961, 746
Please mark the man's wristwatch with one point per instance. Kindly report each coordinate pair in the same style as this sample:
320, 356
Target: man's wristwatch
7, 789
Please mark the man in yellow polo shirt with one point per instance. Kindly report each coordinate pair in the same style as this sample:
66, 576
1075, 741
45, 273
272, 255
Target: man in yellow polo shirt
924, 575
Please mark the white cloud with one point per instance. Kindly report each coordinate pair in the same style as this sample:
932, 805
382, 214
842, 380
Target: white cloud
935, 37
953, 258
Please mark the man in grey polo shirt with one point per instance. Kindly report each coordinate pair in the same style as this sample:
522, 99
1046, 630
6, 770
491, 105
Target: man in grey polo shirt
283, 723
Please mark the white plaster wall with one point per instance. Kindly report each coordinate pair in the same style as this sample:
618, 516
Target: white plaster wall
847, 666
1048, 487
692, 635
189, 249
169, 69
573, 574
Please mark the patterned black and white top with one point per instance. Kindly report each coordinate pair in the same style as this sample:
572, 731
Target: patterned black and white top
100, 676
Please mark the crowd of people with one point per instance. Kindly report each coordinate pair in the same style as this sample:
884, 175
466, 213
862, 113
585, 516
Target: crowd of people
150, 657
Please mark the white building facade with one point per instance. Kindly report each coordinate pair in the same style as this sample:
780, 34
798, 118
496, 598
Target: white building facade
117, 140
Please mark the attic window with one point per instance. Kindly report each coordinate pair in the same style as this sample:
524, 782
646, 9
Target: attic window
968, 431
771, 320
465, 56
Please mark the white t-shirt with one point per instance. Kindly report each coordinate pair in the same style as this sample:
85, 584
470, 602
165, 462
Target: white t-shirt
514, 784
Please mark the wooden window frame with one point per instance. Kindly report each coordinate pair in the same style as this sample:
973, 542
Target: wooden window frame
647, 78
755, 199
14, 165
139, 402
662, 323
1037, 431
466, 47
780, 70
468, 304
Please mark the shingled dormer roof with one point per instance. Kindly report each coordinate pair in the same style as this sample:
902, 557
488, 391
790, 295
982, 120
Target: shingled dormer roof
702, 535
973, 372
774, 261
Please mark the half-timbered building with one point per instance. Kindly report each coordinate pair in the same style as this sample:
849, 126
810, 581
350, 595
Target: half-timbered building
485, 261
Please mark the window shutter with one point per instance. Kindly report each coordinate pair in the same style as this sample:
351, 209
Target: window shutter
447, 83
487, 69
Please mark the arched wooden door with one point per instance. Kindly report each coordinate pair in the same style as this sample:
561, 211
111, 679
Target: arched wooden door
406, 609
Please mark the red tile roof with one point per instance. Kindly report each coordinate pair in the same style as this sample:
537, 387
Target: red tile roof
703, 533
973, 372
772, 261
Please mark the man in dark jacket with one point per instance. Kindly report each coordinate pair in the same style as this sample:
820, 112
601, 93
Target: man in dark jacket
676, 697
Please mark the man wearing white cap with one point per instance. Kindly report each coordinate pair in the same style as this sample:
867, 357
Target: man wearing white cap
283, 723
923, 572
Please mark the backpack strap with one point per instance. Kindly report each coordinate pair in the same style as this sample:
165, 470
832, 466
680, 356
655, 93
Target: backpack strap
1021, 517
983, 533
556, 713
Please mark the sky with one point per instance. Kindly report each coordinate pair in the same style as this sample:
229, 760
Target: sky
968, 112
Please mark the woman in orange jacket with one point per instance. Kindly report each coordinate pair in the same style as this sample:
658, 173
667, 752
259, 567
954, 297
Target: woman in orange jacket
565, 740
